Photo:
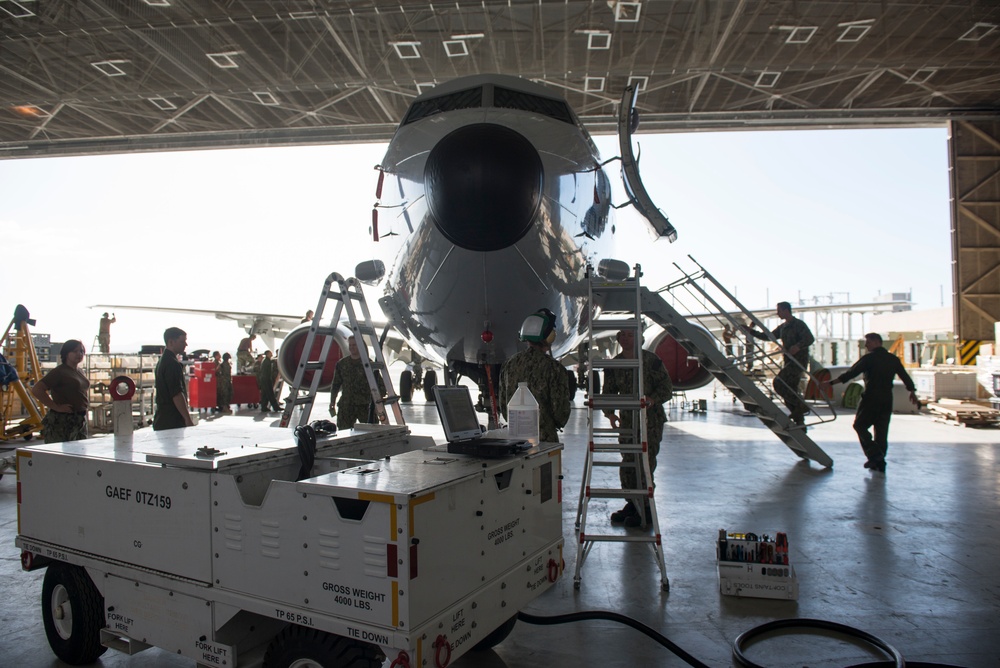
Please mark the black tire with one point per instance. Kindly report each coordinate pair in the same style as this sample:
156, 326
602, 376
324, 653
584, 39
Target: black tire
430, 380
73, 614
299, 644
406, 386
498, 635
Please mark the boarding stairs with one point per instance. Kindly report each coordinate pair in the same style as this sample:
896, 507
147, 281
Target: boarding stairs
607, 445
746, 375
350, 300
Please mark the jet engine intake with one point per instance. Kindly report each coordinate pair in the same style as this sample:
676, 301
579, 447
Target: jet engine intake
685, 372
291, 353
483, 184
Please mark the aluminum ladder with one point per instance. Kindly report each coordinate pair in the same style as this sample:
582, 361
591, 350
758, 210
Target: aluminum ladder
613, 442
753, 390
347, 293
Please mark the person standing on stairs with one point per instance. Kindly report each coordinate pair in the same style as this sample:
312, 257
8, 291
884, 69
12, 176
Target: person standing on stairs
795, 338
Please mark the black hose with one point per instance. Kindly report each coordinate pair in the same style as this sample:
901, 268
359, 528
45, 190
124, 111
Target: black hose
744, 638
613, 617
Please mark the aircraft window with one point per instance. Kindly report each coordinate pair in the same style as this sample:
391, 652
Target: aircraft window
512, 99
463, 99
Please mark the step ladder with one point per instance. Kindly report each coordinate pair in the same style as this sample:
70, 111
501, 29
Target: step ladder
350, 299
606, 446
752, 389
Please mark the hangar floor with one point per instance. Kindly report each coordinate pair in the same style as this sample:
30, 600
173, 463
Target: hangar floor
904, 556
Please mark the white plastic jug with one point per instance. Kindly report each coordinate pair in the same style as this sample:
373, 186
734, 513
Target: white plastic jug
522, 415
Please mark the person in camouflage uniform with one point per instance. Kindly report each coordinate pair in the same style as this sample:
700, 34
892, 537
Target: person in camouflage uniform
64, 391
267, 379
349, 377
223, 381
657, 389
795, 338
546, 378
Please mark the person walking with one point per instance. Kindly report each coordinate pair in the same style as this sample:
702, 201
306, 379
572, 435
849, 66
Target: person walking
657, 389
350, 378
64, 392
171, 385
546, 378
880, 367
795, 338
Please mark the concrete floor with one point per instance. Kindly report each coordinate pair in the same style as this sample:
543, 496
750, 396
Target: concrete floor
904, 556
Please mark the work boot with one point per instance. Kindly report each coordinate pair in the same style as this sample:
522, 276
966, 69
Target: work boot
635, 520
623, 514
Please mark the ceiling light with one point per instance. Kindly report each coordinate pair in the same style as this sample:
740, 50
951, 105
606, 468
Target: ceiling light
627, 12
162, 103
157, 3
16, 9
977, 32
767, 79
406, 50
29, 110
799, 34
224, 60
921, 75
456, 48
471, 35
855, 30
264, 97
639, 82
110, 67
593, 84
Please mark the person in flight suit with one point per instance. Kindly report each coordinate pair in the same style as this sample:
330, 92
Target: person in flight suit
795, 338
349, 377
880, 367
657, 389
546, 378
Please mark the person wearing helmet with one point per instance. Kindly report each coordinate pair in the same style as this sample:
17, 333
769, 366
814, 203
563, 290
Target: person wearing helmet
546, 378
657, 389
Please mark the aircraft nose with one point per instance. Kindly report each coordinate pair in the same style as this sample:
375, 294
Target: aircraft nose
483, 184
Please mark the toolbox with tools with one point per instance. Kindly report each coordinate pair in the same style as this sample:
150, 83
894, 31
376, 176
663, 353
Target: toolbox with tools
755, 566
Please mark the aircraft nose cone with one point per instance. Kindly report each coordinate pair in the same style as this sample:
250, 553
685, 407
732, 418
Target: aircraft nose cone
483, 184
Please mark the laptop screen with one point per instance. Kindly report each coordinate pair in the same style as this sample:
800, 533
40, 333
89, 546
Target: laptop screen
458, 416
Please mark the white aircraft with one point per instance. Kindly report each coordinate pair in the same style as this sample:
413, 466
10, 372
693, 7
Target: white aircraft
494, 200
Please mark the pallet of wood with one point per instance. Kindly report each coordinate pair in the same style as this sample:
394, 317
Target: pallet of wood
964, 413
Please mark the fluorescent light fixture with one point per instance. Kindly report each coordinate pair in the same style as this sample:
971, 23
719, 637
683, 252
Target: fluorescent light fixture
302, 16
157, 3
922, 75
854, 30
593, 84
799, 34
455, 48
264, 97
470, 35
406, 50
767, 79
110, 67
16, 9
424, 87
162, 103
224, 60
640, 83
977, 32
627, 12
599, 41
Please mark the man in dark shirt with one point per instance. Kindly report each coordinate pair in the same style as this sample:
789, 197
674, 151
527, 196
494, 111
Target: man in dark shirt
880, 368
171, 386
795, 338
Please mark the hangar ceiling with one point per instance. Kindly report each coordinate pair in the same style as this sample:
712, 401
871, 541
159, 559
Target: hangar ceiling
93, 76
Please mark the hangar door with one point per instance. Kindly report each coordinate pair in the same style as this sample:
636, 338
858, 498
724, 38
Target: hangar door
975, 236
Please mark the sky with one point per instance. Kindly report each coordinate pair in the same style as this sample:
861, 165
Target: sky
772, 215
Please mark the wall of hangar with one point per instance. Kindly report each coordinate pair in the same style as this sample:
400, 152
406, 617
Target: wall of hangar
974, 157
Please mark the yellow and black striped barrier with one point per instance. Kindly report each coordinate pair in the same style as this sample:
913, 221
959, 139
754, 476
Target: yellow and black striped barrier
969, 351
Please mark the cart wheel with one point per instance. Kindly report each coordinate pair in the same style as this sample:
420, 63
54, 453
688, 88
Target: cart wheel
498, 635
299, 647
28, 437
73, 614
406, 386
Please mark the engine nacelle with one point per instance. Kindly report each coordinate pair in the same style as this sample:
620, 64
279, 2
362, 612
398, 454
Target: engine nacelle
290, 355
685, 373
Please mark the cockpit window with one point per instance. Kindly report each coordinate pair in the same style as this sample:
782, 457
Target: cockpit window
463, 99
512, 99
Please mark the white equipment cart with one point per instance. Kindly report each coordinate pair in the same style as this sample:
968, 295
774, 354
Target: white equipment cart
202, 542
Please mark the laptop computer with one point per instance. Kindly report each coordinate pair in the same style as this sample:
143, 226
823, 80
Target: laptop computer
462, 430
